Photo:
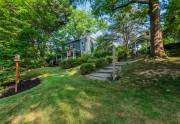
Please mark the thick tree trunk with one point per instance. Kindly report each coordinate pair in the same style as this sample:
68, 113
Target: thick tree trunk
157, 47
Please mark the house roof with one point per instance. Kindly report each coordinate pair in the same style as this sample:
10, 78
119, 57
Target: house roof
74, 41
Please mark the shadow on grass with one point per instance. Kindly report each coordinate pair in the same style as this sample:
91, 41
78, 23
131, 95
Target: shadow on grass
65, 97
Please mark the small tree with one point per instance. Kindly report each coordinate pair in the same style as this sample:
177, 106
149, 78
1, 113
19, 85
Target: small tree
109, 7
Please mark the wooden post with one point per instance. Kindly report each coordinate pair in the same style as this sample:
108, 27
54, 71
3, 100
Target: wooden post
114, 64
135, 48
74, 54
17, 74
17, 60
67, 54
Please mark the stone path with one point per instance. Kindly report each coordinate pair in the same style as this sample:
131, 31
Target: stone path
106, 72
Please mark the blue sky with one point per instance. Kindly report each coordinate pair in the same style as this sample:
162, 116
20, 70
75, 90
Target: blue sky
86, 6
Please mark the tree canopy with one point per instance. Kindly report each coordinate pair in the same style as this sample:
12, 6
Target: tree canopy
80, 23
172, 22
26, 25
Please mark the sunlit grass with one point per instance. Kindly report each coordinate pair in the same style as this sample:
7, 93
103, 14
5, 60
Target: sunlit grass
66, 97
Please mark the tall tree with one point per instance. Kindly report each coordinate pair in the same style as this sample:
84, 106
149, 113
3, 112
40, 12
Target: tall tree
157, 48
26, 25
80, 22
102, 7
129, 22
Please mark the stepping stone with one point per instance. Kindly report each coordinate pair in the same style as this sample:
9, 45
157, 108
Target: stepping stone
103, 75
118, 64
111, 67
97, 78
105, 71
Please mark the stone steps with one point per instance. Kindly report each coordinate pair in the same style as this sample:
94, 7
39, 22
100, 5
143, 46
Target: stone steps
111, 67
105, 73
97, 78
101, 75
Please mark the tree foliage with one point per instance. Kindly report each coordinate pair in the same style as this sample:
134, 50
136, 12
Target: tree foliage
26, 25
80, 23
103, 7
172, 22
129, 22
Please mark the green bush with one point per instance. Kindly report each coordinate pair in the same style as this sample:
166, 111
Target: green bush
101, 62
69, 63
91, 60
30, 63
122, 53
7, 76
87, 68
32, 73
109, 59
101, 53
172, 49
84, 58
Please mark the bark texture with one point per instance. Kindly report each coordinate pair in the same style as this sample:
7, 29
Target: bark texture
157, 47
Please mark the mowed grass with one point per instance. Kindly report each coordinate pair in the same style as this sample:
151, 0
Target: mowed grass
148, 93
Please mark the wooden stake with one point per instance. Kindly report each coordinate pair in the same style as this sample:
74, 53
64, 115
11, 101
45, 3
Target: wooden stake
74, 54
114, 66
17, 80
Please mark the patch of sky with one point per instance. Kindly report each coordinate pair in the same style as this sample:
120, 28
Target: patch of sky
86, 6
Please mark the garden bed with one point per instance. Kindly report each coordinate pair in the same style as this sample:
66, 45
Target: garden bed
9, 90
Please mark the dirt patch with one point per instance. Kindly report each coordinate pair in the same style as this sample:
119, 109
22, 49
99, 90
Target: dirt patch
159, 73
9, 90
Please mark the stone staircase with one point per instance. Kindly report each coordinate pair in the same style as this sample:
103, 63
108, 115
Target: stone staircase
106, 72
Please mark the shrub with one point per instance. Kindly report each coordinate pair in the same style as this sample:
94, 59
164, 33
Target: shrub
122, 53
33, 63
87, 68
101, 53
84, 58
6, 76
101, 62
109, 59
173, 49
91, 60
69, 63
32, 73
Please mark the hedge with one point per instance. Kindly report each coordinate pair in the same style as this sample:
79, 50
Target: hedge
109, 59
101, 62
87, 68
70, 63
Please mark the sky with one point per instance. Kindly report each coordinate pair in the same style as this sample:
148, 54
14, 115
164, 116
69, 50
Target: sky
86, 6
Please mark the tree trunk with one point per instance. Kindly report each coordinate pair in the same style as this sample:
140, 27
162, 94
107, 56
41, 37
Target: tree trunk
157, 47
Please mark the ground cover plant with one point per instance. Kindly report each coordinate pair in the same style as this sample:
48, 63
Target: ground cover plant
64, 96
78, 38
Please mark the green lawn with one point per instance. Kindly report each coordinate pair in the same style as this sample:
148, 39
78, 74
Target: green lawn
148, 93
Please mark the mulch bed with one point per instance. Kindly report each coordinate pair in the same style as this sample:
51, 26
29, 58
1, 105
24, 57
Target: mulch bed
22, 86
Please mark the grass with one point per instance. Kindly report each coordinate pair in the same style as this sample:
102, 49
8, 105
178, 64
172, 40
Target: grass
148, 93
